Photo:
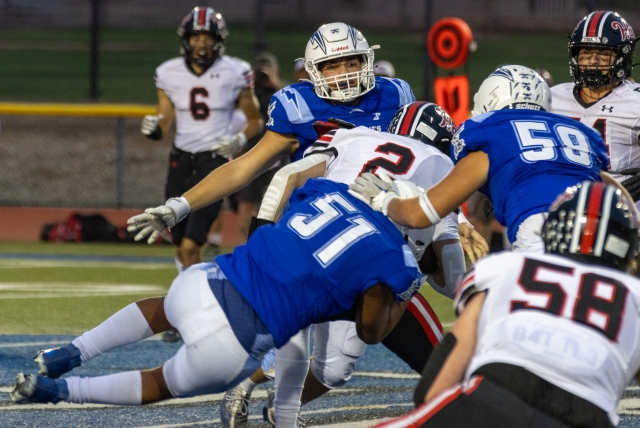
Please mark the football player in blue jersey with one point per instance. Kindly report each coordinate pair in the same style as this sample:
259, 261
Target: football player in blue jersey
329, 254
341, 85
512, 150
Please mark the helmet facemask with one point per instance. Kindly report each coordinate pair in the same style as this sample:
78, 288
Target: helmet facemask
598, 76
339, 41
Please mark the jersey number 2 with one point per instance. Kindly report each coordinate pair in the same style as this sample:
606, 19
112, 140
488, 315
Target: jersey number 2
599, 303
401, 166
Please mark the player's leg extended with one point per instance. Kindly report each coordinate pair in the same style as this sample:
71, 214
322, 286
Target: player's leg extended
131, 324
416, 335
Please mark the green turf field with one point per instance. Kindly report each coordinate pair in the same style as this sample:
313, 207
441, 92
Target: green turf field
69, 296
53, 65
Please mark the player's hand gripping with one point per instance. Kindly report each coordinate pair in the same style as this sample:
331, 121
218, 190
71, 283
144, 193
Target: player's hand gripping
229, 145
155, 220
472, 242
632, 184
150, 127
376, 191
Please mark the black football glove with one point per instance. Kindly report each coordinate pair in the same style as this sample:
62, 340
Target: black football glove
632, 184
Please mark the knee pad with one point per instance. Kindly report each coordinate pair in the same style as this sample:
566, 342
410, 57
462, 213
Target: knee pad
336, 350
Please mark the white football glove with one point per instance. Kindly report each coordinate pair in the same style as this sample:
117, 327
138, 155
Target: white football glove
155, 220
229, 145
150, 123
376, 191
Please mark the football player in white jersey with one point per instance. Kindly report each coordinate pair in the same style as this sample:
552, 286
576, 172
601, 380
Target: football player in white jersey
601, 52
415, 154
543, 340
201, 89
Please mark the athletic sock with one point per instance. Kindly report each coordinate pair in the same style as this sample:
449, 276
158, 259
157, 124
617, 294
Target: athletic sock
292, 364
179, 265
248, 385
126, 326
124, 389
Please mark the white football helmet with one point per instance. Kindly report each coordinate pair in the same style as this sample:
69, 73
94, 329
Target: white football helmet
337, 40
512, 87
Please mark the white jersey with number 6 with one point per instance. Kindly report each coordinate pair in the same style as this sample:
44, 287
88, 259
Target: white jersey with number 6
203, 104
616, 117
574, 325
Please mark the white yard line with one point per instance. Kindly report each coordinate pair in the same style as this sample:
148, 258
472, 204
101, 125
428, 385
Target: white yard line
28, 264
48, 290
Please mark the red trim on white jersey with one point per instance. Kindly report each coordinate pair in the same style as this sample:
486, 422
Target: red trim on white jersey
429, 321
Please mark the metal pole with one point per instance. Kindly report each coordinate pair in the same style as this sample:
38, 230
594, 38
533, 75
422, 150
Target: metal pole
427, 80
93, 64
120, 133
260, 44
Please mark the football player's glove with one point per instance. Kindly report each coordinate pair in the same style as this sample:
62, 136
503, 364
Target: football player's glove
376, 191
321, 127
632, 184
155, 220
229, 145
150, 127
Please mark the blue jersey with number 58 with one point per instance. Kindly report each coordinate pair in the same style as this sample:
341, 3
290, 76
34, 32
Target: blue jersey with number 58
533, 157
326, 251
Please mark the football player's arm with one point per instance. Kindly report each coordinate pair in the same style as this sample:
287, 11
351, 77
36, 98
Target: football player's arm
451, 266
465, 330
377, 313
155, 125
248, 103
286, 180
466, 177
238, 173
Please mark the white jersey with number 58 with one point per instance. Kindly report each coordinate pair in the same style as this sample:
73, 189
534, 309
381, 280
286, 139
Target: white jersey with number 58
203, 104
616, 117
574, 325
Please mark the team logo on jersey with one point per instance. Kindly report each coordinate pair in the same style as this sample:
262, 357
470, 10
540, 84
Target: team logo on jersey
457, 142
609, 109
376, 116
626, 32
406, 295
356, 110
269, 111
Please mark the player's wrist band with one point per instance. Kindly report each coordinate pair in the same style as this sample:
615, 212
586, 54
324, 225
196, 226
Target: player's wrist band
386, 201
427, 208
180, 206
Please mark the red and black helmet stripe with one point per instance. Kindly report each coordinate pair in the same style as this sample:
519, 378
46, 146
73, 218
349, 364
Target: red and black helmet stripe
594, 205
410, 117
594, 24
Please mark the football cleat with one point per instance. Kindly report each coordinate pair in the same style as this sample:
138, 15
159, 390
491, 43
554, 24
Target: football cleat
234, 408
55, 362
38, 389
269, 412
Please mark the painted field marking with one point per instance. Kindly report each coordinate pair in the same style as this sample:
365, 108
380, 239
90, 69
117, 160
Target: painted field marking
48, 290
31, 264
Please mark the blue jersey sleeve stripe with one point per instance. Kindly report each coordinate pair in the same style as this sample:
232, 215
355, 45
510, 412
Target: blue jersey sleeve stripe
295, 106
404, 92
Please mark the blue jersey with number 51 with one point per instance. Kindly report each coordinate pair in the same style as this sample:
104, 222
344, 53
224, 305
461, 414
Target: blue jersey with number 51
326, 251
533, 157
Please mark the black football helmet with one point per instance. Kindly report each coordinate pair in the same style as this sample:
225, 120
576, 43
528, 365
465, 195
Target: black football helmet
203, 20
602, 30
592, 223
427, 122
